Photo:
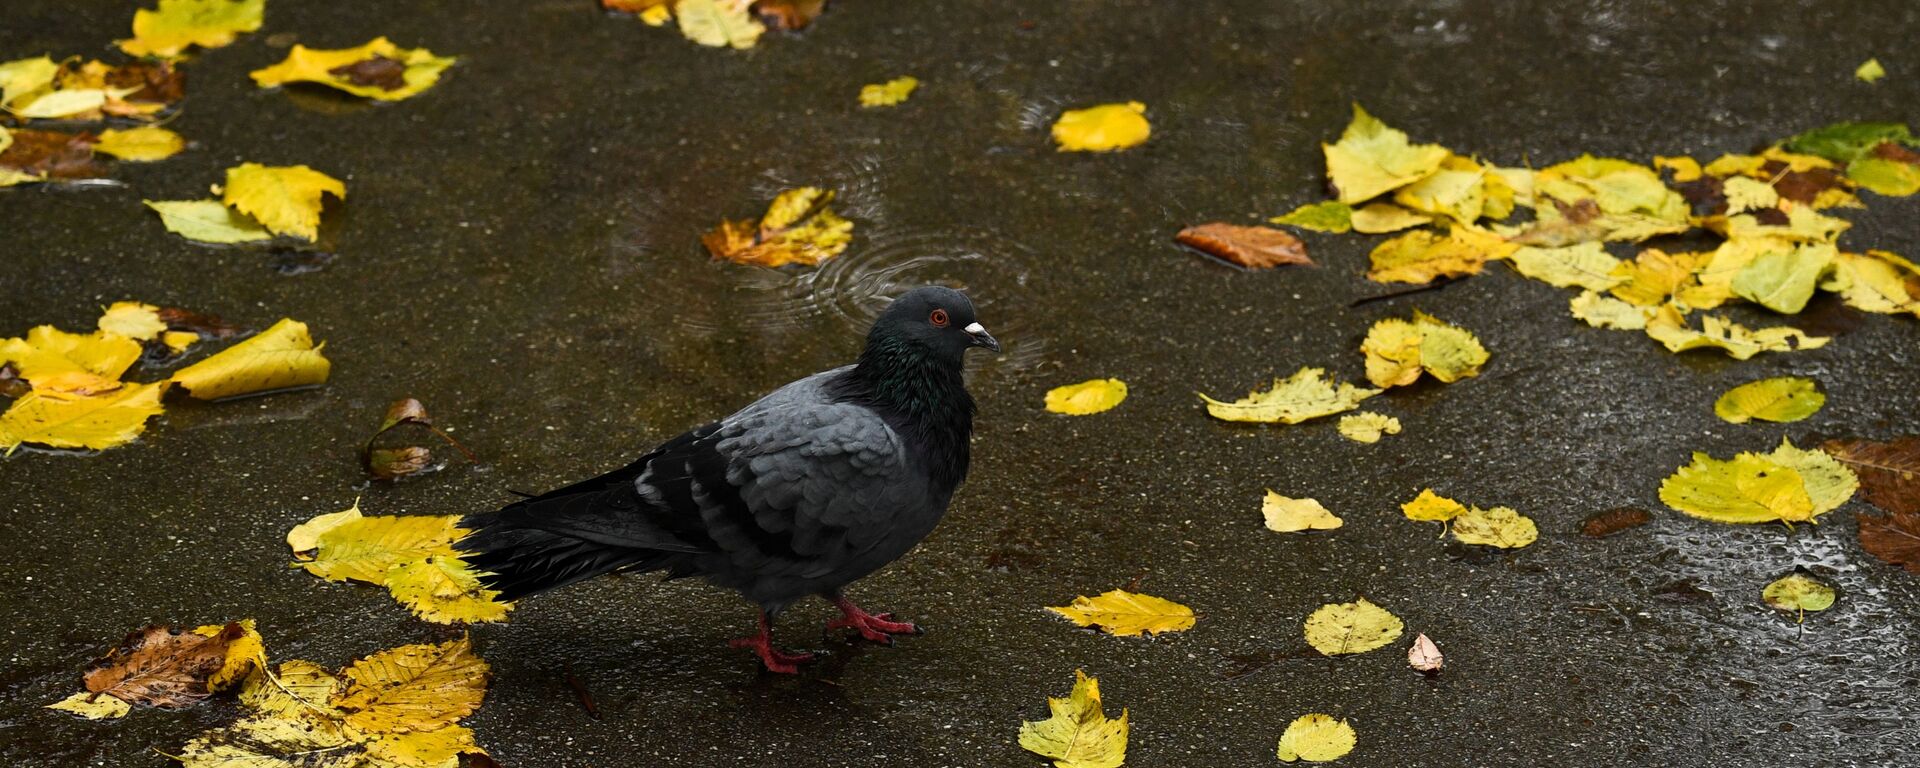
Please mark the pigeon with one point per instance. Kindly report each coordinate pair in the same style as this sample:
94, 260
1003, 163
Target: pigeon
801, 493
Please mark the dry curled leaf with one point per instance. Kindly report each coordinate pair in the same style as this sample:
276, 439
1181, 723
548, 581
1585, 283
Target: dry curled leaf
1612, 521
1250, 247
393, 463
789, 14
35, 155
161, 666
1424, 656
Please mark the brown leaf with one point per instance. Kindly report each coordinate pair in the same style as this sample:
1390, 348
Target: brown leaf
1250, 247
789, 14
1889, 472
55, 154
1705, 196
395, 463
406, 410
1806, 186
1575, 225
161, 666
1894, 538
11, 385
378, 72
1890, 151
1424, 656
209, 326
158, 81
1612, 521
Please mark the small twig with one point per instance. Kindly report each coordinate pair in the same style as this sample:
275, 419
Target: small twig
580, 692
1433, 286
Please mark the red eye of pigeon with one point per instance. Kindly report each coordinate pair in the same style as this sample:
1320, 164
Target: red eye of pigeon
938, 318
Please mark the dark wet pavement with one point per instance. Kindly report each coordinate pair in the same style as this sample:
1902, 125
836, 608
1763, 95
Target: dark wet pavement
519, 250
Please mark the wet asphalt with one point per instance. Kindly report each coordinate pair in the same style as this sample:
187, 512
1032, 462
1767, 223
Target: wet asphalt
519, 250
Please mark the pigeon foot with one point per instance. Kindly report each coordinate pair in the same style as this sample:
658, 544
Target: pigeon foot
878, 628
776, 660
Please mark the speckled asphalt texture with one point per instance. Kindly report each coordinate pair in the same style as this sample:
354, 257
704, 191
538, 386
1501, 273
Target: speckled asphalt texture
520, 251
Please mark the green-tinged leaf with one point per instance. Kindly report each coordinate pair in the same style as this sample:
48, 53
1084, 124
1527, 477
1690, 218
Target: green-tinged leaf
1782, 398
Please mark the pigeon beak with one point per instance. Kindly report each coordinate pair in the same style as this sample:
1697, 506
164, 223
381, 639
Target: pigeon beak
978, 333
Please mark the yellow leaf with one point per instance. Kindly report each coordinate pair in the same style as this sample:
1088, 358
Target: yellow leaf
413, 687
378, 70
1783, 281
297, 689
1102, 128
1655, 276
1287, 515
101, 421
1423, 256
93, 706
57, 362
1804, 225
305, 537
366, 548
1397, 351
440, 747
273, 742
245, 654
1498, 527
1078, 735
1583, 265
1126, 614
133, 320
798, 228
67, 102
1087, 397
1749, 194
1432, 506
1608, 312
1329, 216
284, 199
1316, 738
280, 357
1715, 271
888, 93
178, 341
1870, 71
718, 24
1874, 285
174, 25
23, 76
1617, 187
142, 144
1458, 194
443, 589
657, 15
207, 221
1371, 159
1799, 593
1684, 168
1782, 398
1368, 427
1305, 395
1380, 218
1356, 627
1788, 485
1668, 327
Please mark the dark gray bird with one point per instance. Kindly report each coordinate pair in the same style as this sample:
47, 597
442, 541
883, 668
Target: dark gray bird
801, 493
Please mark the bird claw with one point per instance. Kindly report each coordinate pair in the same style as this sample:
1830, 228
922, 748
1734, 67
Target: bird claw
775, 659
874, 627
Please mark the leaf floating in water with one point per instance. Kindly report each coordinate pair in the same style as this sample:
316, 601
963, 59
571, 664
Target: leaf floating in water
798, 228
1250, 247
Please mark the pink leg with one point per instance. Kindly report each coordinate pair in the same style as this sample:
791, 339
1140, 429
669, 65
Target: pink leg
775, 659
875, 627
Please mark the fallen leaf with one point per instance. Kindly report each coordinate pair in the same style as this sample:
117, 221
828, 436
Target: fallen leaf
1787, 485
1843, 142
444, 589
296, 690
1668, 327
1607, 312
633, 6
1893, 178
143, 144
93, 706
1609, 522
388, 463
1870, 71
1381, 218
413, 687
1655, 276
28, 155
1583, 265
1329, 216
1316, 738
305, 537
798, 228
1087, 397
97, 422
1684, 168
273, 742
172, 26
1781, 399
1873, 284
717, 23
24, 76
1399, 350
164, 667
1422, 256
1102, 128
208, 221
1433, 507
132, 319
1893, 537
378, 70
1783, 281
1497, 527
1287, 515
1371, 158
1304, 395
281, 357
1629, 200
1356, 627
1368, 427
1799, 593
365, 548
284, 199
789, 14
1127, 614
1888, 471
71, 364
888, 93
1424, 657
1250, 247
1078, 735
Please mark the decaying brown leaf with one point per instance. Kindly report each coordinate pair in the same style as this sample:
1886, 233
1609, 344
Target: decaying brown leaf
789, 14
1424, 656
393, 463
1612, 521
208, 326
1893, 537
51, 155
378, 72
163, 666
1889, 471
1250, 247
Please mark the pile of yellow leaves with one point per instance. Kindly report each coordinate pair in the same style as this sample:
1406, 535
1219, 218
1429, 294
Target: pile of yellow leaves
173, 26
413, 557
1497, 527
257, 203
799, 228
378, 70
1789, 485
723, 23
1399, 350
1078, 735
77, 398
1126, 614
1778, 247
40, 88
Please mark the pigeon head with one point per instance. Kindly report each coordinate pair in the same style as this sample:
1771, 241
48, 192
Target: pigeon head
939, 322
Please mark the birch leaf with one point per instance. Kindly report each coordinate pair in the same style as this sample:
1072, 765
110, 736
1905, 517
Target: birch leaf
1583, 265
799, 227
1399, 350
443, 589
1433, 507
1087, 397
1287, 515
1782, 399
378, 70
1497, 527
173, 26
1668, 327
93, 706
1316, 738
1368, 427
413, 688
1381, 218
1783, 281
284, 199
1078, 735
132, 319
144, 144
1607, 312
1357, 627
366, 548
718, 23
1102, 128
1127, 614
1788, 485
1305, 395
1799, 593
1371, 158
208, 221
